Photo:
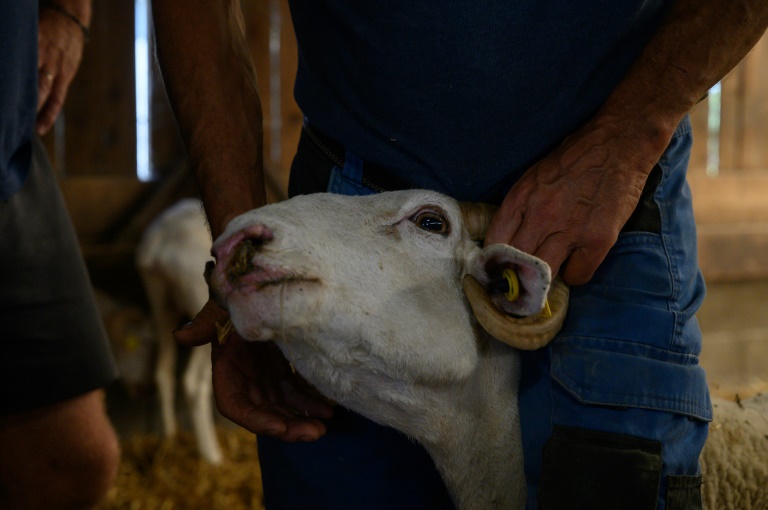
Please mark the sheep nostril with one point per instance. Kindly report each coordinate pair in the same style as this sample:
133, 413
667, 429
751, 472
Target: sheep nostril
235, 255
241, 262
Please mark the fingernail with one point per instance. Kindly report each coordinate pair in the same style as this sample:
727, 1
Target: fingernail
272, 432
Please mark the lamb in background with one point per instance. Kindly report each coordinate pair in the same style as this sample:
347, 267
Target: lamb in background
364, 297
171, 258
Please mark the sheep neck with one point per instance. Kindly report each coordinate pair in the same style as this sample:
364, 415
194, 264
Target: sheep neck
471, 429
477, 447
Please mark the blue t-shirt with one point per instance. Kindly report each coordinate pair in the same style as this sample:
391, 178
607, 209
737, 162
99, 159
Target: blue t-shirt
18, 92
462, 96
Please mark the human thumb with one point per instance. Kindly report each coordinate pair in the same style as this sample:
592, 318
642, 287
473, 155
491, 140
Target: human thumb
204, 327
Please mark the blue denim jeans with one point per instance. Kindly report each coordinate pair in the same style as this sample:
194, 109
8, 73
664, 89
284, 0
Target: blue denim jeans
614, 411
626, 360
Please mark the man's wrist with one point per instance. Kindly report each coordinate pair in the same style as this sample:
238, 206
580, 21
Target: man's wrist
77, 12
647, 127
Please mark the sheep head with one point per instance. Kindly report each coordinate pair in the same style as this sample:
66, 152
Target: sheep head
374, 283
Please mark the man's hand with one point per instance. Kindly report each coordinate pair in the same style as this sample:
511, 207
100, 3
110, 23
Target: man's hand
254, 385
60, 49
569, 208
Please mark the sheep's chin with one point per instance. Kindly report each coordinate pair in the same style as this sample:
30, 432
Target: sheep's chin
263, 312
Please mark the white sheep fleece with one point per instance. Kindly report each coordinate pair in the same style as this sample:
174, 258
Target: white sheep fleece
735, 458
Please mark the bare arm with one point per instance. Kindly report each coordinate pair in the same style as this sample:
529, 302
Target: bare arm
211, 82
569, 208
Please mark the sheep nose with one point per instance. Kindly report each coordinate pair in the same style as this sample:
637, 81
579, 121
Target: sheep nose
237, 252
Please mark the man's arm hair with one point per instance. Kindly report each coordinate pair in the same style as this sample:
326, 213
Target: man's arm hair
211, 82
697, 44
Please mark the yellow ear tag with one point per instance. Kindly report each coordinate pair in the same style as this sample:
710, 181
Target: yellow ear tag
514, 285
547, 311
514, 291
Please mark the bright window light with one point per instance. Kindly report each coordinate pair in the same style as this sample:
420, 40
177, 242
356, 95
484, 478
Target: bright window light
141, 63
713, 131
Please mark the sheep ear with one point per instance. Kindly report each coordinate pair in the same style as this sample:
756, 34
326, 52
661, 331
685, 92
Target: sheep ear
533, 275
517, 321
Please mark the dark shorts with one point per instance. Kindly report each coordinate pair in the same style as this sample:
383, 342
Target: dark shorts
53, 343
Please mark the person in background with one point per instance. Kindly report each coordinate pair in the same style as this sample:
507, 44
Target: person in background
59, 450
572, 117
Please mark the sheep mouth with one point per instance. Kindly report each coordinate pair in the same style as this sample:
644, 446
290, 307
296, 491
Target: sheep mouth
244, 271
260, 280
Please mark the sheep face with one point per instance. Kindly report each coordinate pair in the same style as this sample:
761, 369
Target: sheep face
374, 283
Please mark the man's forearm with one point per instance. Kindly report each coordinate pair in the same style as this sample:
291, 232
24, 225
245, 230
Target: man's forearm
211, 83
697, 44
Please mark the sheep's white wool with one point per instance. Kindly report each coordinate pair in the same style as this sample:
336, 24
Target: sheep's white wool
735, 458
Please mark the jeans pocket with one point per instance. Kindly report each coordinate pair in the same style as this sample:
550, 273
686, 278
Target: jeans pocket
646, 216
624, 375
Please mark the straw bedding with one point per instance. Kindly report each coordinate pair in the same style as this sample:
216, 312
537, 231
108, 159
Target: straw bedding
167, 474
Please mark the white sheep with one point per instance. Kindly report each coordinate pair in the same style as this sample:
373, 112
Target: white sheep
171, 257
735, 457
364, 297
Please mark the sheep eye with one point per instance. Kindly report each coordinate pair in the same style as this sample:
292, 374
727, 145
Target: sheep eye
431, 222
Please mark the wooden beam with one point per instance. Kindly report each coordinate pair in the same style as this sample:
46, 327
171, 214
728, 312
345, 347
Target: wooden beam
731, 252
730, 198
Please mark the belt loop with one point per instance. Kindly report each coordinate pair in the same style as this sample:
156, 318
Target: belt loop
348, 180
353, 168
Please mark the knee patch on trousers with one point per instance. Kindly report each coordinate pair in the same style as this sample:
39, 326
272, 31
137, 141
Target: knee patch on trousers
586, 469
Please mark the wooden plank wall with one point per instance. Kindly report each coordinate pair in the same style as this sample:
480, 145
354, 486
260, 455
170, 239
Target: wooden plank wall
744, 124
732, 206
99, 131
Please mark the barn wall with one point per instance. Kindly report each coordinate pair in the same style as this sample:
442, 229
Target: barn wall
731, 207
